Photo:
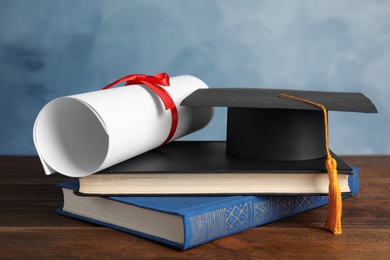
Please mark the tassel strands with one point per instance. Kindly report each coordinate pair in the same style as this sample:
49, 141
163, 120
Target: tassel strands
333, 221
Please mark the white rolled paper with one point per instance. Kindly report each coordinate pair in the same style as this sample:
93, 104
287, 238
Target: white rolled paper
82, 134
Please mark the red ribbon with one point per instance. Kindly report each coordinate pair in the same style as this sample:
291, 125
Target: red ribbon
154, 82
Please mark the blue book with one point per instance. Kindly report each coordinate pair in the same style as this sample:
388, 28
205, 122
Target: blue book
186, 221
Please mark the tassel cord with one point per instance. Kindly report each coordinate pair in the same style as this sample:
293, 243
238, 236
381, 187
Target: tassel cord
333, 221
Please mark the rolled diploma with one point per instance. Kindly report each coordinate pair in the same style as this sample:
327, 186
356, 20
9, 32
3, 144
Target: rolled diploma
82, 134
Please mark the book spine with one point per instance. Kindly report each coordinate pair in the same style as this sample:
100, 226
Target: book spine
251, 211
353, 181
248, 212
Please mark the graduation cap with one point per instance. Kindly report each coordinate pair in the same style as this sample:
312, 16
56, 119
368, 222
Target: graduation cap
283, 125
263, 125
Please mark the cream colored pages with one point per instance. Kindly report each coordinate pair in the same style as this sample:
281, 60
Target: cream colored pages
82, 134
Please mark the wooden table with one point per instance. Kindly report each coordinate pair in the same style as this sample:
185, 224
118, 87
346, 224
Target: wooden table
29, 227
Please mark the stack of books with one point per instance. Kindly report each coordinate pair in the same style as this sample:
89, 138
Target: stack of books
186, 193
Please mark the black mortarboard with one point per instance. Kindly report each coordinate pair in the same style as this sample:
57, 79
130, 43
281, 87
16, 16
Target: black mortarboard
263, 125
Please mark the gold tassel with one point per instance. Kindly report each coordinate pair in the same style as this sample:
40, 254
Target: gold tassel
333, 220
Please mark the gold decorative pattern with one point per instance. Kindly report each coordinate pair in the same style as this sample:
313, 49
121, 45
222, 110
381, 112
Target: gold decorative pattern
304, 202
283, 205
229, 220
237, 217
207, 225
262, 211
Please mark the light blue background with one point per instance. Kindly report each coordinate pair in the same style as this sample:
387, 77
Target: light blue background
54, 48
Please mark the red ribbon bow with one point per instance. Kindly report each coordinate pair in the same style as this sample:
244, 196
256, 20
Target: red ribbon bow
153, 82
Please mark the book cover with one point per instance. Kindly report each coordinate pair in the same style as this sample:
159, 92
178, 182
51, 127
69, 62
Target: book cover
186, 221
204, 167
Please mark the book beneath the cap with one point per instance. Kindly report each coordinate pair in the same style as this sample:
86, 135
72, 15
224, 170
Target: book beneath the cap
204, 167
185, 221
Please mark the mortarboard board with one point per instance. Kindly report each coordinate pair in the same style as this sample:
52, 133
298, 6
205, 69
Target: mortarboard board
262, 125
269, 124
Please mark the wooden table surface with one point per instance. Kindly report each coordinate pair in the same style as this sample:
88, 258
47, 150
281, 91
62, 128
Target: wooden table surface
29, 227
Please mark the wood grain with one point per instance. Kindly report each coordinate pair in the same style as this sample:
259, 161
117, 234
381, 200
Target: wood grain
29, 227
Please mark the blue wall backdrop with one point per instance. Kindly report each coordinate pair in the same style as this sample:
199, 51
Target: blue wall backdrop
52, 48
